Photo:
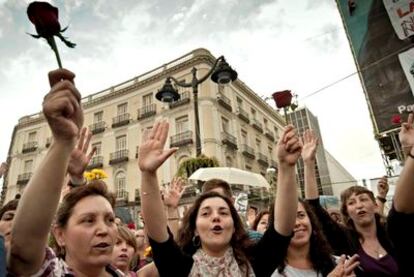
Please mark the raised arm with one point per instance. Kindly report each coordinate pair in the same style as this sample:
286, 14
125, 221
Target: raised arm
382, 190
172, 196
151, 156
38, 205
404, 190
310, 145
288, 152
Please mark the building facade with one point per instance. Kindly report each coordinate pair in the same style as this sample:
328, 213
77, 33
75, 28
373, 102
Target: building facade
303, 119
237, 127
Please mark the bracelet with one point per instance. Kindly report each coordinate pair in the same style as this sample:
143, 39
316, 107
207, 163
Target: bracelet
381, 199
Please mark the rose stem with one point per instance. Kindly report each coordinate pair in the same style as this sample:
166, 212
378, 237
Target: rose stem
55, 49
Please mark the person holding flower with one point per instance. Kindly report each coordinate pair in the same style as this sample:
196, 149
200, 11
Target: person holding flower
84, 225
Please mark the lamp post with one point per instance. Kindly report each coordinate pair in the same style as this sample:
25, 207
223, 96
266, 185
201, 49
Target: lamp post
221, 73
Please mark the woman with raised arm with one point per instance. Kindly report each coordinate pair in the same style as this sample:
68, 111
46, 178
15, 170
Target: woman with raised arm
212, 240
401, 215
84, 223
363, 234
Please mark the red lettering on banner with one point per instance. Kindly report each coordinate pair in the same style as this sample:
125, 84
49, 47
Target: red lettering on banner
401, 13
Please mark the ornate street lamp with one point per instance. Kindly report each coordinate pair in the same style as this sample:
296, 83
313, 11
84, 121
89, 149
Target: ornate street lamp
221, 73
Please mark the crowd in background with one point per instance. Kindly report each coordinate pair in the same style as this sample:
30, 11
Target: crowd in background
63, 225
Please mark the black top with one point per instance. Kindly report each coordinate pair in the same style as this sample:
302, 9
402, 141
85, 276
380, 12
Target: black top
401, 232
264, 256
344, 240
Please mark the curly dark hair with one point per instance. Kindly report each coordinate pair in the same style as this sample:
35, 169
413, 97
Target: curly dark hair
240, 241
320, 252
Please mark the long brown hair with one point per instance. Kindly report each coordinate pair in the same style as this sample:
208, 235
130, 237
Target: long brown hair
320, 252
240, 241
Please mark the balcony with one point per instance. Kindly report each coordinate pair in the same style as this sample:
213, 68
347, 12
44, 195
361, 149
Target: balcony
181, 139
224, 101
190, 191
24, 178
29, 147
243, 115
247, 151
96, 162
269, 134
121, 197
137, 197
184, 99
48, 142
273, 163
98, 127
262, 159
120, 120
119, 157
229, 140
257, 125
147, 111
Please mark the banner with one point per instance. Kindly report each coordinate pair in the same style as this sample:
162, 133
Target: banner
379, 32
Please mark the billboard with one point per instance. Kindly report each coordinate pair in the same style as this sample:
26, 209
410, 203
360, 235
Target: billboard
381, 35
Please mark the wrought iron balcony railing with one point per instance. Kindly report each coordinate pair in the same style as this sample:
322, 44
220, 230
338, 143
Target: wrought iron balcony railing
181, 139
97, 127
119, 157
147, 111
24, 178
121, 120
96, 162
29, 147
184, 99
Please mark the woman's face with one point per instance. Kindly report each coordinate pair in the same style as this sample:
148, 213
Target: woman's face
6, 222
361, 209
303, 228
90, 233
214, 225
262, 225
122, 254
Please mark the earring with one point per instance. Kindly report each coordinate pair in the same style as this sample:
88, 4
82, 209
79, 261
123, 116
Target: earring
196, 241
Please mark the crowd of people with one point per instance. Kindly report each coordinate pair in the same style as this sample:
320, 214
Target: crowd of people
64, 226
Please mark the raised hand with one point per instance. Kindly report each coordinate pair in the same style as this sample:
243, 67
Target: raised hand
383, 187
3, 168
344, 267
289, 147
173, 192
79, 158
151, 152
406, 134
310, 145
61, 106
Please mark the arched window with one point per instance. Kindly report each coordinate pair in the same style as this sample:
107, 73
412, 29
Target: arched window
120, 185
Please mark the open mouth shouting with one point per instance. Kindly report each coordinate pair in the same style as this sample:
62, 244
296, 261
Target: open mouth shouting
217, 229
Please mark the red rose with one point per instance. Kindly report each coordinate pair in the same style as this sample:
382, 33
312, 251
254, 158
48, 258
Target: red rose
45, 18
282, 98
396, 119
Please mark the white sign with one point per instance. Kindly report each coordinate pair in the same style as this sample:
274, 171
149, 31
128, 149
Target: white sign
407, 63
241, 202
401, 14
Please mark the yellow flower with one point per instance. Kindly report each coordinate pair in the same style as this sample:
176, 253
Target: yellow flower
99, 174
89, 176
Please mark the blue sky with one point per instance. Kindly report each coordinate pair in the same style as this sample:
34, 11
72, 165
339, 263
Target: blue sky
273, 44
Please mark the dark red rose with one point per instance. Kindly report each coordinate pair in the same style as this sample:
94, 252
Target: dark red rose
282, 98
396, 119
45, 17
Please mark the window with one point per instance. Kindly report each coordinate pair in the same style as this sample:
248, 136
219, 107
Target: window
120, 184
121, 143
265, 122
122, 108
32, 137
270, 150
181, 124
147, 99
98, 147
276, 132
239, 103
98, 117
244, 137
253, 113
28, 166
258, 145
225, 125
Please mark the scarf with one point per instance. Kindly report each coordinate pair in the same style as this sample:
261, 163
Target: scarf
226, 266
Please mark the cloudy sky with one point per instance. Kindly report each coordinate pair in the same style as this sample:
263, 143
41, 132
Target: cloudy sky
273, 44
